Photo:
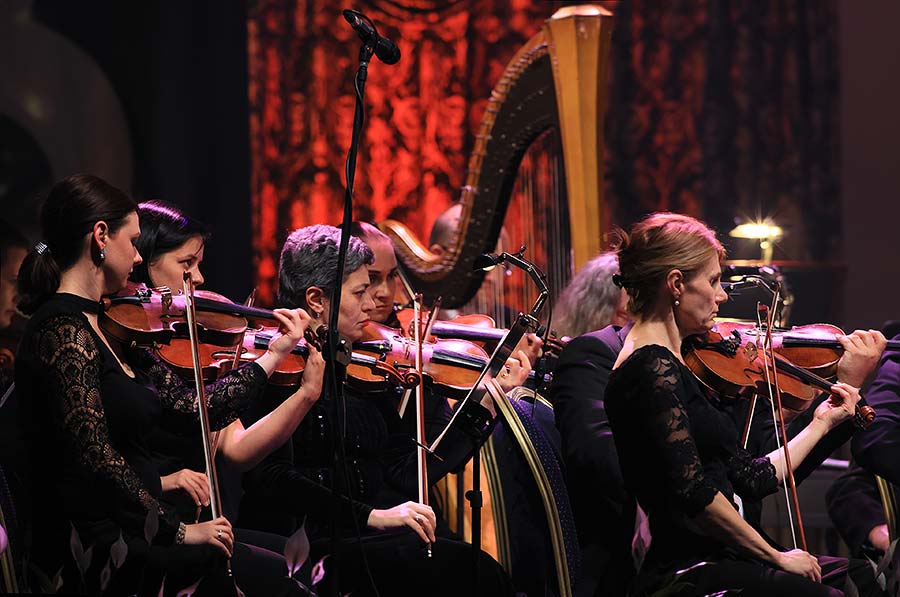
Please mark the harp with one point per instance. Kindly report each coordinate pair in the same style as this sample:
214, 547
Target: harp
536, 170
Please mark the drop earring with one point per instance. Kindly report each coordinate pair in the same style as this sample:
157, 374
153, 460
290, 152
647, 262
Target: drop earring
102, 254
677, 302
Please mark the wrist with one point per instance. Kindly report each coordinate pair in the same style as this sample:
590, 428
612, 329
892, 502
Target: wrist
305, 394
773, 556
269, 362
821, 427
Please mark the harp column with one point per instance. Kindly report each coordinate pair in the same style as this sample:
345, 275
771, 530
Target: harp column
579, 40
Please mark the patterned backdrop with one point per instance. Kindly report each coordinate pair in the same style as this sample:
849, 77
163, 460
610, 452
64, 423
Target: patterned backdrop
717, 109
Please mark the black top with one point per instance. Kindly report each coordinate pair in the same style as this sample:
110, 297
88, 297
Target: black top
677, 449
91, 426
295, 481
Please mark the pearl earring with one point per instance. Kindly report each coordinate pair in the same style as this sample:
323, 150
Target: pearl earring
102, 254
677, 302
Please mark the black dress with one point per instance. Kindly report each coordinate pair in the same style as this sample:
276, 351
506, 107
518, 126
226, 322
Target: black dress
677, 449
89, 426
295, 484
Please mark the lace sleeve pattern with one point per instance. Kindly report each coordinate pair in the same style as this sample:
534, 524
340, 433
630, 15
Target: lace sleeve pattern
753, 478
69, 355
670, 434
227, 397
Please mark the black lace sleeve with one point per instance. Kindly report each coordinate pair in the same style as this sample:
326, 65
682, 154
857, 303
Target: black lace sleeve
69, 355
669, 434
227, 397
752, 478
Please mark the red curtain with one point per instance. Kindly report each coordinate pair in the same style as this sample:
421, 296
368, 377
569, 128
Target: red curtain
421, 114
718, 108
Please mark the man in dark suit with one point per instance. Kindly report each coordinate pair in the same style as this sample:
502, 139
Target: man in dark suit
854, 503
604, 513
878, 449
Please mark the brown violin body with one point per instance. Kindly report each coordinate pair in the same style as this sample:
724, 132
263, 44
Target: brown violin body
809, 346
147, 316
478, 329
729, 364
365, 373
452, 366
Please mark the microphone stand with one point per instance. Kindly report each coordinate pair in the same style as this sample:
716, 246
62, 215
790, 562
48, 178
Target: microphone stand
524, 323
338, 369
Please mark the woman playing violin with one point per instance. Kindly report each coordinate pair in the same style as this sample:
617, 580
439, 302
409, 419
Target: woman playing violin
172, 243
384, 279
93, 406
679, 451
296, 481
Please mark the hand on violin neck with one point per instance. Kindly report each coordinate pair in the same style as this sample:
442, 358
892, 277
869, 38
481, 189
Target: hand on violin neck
515, 372
292, 323
862, 350
313, 375
839, 407
531, 345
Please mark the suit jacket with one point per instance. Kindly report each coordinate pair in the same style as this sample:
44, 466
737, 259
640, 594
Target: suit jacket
877, 449
604, 513
854, 506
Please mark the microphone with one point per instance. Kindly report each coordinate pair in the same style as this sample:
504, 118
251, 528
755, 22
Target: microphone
386, 50
486, 261
736, 287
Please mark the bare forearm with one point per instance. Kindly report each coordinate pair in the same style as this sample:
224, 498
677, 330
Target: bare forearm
269, 362
245, 448
800, 447
721, 521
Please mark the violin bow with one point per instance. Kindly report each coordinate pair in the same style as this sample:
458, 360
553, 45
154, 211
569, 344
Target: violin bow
421, 462
215, 499
238, 349
790, 485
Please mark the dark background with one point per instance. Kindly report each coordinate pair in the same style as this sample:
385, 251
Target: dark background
181, 73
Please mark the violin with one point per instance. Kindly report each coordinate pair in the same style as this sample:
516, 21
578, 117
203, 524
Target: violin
453, 366
154, 316
476, 328
726, 360
366, 373
814, 347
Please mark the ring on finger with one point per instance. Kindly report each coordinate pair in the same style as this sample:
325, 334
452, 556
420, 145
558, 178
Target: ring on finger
219, 534
419, 519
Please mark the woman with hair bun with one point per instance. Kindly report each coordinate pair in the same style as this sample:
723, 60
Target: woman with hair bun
678, 450
92, 404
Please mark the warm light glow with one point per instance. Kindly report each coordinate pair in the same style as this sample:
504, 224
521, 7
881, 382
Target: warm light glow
757, 230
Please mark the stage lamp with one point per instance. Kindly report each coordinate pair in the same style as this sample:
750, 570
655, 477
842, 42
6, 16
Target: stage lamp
766, 232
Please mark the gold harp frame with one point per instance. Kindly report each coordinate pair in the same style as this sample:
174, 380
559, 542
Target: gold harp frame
558, 79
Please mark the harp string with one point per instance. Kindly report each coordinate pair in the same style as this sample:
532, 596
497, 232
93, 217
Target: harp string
537, 217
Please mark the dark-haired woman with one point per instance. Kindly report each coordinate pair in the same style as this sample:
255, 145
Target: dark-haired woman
173, 243
296, 483
92, 404
13, 470
678, 450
